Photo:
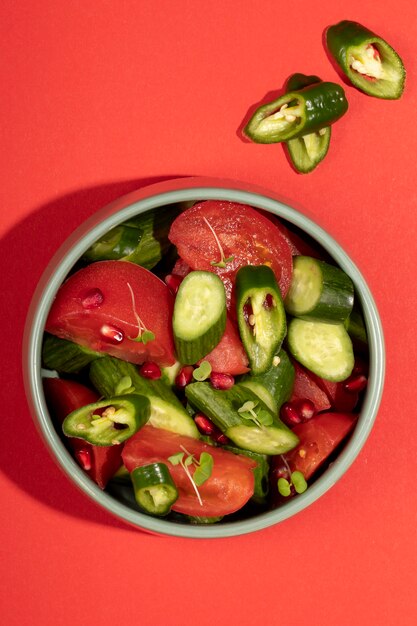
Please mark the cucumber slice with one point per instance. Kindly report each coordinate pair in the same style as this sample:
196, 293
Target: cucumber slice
319, 291
167, 412
324, 349
274, 387
261, 431
199, 318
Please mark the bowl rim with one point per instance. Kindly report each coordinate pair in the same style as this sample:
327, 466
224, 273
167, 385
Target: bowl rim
135, 203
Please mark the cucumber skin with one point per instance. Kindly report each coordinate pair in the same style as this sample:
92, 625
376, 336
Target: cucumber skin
106, 373
278, 382
189, 351
336, 298
65, 356
222, 408
318, 370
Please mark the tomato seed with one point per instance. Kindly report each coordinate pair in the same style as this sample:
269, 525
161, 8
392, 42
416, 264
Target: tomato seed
92, 299
150, 370
221, 381
355, 384
83, 457
112, 334
184, 377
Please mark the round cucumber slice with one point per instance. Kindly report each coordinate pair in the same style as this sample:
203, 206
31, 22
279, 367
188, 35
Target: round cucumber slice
325, 349
199, 318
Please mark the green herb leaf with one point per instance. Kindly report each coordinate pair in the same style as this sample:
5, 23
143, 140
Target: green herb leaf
299, 482
176, 459
219, 264
124, 386
147, 336
204, 469
202, 372
189, 460
247, 406
284, 487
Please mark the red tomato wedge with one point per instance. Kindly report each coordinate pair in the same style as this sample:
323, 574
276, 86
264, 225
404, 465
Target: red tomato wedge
319, 437
229, 356
63, 397
306, 388
229, 487
108, 304
213, 231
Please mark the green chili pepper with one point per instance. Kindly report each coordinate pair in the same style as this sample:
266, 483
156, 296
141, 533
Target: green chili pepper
108, 422
297, 113
260, 314
155, 491
308, 151
369, 62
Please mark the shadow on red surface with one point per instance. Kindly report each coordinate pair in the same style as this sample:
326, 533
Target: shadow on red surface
26, 250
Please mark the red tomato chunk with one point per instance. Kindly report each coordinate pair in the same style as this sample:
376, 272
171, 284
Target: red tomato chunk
229, 487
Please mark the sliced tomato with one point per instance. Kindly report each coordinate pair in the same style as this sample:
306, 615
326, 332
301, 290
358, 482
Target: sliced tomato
339, 398
319, 437
63, 397
213, 231
229, 487
107, 305
229, 356
306, 388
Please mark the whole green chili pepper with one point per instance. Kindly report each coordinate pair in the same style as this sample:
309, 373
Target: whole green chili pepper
369, 62
297, 113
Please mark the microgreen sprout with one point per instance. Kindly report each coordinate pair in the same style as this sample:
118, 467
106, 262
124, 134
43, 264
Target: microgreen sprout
203, 468
124, 386
295, 479
203, 372
223, 261
261, 418
144, 335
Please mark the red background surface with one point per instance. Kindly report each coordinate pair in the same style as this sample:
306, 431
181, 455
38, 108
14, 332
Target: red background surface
101, 97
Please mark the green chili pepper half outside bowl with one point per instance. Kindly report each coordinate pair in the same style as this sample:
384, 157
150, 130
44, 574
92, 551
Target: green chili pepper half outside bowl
189, 190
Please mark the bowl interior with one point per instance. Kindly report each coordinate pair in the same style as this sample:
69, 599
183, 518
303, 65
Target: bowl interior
119, 499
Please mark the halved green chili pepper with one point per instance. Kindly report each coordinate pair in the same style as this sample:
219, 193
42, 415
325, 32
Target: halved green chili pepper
155, 491
108, 422
308, 151
369, 62
297, 113
260, 314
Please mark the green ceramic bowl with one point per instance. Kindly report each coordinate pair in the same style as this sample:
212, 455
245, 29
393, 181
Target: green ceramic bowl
161, 194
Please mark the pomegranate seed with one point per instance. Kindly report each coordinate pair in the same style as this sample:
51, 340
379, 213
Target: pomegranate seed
83, 457
204, 425
221, 439
289, 414
268, 302
305, 408
112, 334
173, 281
151, 370
184, 376
92, 299
221, 381
355, 384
